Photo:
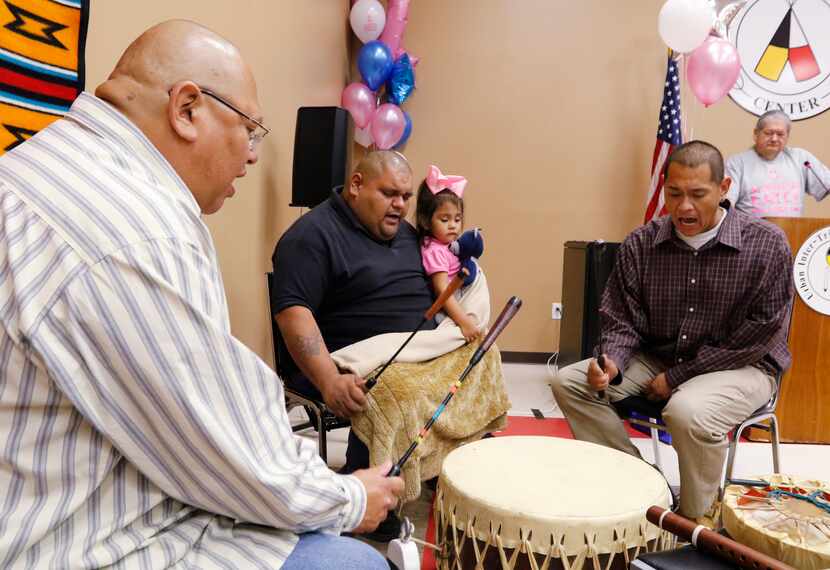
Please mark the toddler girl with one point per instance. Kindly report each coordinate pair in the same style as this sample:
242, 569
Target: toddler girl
440, 221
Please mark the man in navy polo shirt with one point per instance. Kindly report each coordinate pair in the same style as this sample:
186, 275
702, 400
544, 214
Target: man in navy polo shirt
348, 270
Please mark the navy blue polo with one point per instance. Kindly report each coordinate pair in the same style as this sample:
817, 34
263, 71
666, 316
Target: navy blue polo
356, 285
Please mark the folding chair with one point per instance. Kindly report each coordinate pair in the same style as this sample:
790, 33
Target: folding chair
319, 416
653, 413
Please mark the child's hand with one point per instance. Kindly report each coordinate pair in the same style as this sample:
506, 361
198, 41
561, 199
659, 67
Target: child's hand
469, 329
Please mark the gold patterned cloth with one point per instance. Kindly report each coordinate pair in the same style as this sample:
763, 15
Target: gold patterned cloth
411, 389
408, 395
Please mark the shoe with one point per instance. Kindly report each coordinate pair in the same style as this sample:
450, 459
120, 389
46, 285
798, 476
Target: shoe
388, 530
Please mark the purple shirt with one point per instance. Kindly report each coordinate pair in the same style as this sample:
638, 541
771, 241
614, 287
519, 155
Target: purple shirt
722, 307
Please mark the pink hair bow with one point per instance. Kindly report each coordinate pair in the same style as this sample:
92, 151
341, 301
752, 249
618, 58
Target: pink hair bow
437, 182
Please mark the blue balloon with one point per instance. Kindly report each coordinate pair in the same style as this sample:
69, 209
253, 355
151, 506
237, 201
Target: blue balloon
407, 130
375, 63
401, 80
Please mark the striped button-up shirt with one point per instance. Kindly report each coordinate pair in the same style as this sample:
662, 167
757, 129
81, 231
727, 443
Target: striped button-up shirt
135, 430
722, 307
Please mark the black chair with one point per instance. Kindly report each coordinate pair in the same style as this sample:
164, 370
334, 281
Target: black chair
652, 411
319, 416
766, 413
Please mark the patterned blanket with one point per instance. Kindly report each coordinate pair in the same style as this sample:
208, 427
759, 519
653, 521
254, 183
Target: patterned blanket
409, 394
411, 389
41, 64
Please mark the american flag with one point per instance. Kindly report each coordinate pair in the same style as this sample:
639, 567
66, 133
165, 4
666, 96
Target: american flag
668, 136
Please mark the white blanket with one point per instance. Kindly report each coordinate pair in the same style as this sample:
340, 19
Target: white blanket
363, 357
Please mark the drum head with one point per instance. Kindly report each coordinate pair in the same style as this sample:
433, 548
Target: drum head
544, 491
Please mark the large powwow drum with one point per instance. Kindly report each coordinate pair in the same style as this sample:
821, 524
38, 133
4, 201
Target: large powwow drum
789, 519
546, 503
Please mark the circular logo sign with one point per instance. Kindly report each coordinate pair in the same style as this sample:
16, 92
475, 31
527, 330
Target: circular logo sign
811, 271
784, 47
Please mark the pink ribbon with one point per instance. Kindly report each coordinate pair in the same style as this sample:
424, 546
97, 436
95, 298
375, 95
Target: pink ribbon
437, 182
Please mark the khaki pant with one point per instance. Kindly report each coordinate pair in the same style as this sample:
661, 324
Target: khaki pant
699, 415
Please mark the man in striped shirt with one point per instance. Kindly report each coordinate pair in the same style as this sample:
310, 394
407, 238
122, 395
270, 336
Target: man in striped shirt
695, 314
136, 431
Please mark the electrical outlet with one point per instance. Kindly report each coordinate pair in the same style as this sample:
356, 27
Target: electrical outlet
556, 311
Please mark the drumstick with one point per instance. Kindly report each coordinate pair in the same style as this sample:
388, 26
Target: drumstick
456, 282
510, 309
614, 381
709, 541
601, 364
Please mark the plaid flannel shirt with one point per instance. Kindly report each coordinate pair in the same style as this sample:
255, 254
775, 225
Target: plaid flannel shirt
722, 307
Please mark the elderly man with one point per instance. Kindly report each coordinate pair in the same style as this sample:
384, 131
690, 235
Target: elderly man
138, 432
695, 314
346, 271
771, 178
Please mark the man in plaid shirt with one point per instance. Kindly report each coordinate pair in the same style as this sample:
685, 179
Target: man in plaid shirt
695, 312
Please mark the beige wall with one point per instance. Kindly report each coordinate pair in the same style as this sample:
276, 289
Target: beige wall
548, 107
298, 52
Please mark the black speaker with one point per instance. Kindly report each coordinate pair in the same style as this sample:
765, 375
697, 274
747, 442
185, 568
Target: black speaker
586, 268
321, 154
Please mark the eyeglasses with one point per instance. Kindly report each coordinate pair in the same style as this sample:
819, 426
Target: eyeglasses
254, 137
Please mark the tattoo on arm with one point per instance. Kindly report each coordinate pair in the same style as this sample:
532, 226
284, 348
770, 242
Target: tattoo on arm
308, 345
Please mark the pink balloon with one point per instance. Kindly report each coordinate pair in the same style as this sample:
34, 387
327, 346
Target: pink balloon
358, 100
397, 14
388, 125
713, 69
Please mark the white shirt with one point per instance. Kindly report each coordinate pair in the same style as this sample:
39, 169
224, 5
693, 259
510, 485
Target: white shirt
701, 239
136, 431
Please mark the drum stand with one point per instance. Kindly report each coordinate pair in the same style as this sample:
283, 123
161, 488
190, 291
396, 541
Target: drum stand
403, 551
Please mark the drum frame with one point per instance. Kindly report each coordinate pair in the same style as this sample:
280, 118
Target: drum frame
460, 543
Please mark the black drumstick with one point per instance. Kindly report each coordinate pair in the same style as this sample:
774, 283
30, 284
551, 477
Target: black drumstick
456, 282
614, 381
510, 309
820, 181
601, 364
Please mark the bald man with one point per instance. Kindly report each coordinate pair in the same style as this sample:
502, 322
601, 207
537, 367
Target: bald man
348, 270
137, 431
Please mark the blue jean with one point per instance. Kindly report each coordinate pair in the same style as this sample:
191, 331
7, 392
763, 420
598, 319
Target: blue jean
316, 550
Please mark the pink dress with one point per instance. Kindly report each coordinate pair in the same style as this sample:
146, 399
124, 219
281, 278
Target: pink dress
437, 257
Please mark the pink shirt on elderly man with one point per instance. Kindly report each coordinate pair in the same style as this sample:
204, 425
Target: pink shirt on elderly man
437, 257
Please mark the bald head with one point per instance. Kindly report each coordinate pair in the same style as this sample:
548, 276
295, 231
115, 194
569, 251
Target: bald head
375, 163
379, 192
190, 92
171, 52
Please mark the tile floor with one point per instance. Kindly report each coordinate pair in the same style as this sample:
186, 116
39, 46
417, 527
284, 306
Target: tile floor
528, 389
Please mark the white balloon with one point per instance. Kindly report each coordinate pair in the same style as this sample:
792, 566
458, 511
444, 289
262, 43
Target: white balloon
363, 137
367, 19
685, 24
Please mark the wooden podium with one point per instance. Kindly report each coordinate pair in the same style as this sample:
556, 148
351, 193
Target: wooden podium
804, 407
